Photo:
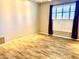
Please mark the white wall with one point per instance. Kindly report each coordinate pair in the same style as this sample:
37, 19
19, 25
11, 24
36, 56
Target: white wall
44, 17
62, 1
17, 18
58, 25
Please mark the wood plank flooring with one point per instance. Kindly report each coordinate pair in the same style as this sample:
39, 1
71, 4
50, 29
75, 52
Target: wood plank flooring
40, 47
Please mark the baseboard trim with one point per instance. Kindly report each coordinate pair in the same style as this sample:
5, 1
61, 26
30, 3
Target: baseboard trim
2, 40
55, 35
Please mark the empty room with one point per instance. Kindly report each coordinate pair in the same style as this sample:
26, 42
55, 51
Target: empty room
39, 29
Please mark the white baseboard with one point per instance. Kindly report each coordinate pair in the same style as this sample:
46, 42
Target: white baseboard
2, 40
56, 35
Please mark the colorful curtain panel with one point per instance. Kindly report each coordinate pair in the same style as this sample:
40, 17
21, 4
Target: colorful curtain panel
75, 22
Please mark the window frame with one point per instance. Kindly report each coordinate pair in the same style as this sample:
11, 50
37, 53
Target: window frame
63, 4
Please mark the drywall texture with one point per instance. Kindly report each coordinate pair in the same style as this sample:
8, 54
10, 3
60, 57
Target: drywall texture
17, 18
44, 17
62, 1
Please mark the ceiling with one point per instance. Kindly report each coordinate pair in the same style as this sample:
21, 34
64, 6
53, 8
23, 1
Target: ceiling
41, 1
55, 1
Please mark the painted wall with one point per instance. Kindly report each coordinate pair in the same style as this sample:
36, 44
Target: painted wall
62, 1
44, 17
59, 25
17, 18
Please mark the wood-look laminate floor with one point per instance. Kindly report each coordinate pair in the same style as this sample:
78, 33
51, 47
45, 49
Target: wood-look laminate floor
40, 47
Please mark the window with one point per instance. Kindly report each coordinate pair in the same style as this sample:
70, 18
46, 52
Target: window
59, 15
65, 11
59, 9
66, 15
72, 11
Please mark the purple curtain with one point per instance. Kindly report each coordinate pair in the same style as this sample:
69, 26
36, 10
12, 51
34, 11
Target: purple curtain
50, 31
75, 22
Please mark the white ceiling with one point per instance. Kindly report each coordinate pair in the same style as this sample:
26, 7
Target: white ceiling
55, 1
41, 1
